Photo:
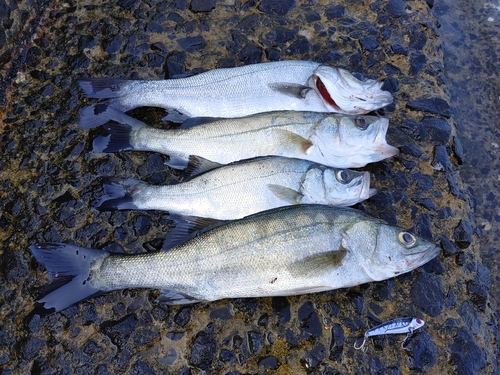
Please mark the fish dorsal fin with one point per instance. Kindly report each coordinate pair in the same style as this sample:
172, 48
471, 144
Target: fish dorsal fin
195, 121
186, 228
196, 166
287, 137
173, 297
287, 194
290, 89
317, 264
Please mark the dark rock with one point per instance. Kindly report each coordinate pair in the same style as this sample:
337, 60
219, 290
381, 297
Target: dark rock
395, 8
227, 356
441, 160
478, 295
203, 351
129, 4
144, 336
421, 352
32, 347
422, 226
458, 150
263, 320
417, 40
270, 363
246, 305
336, 343
368, 43
142, 225
466, 355
313, 17
299, 47
276, 7
255, 341
438, 129
432, 105
427, 293
119, 331
390, 84
418, 60
463, 235
202, 5
471, 317
192, 43
424, 182
281, 309
78, 61
280, 36
335, 11
273, 54
141, 368
112, 45
175, 64
416, 130
251, 54
250, 23
291, 339
223, 313
310, 326
375, 366
183, 316
314, 357
382, 290
358, 301
398, 49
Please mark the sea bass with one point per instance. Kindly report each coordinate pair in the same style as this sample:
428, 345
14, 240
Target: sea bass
240, 189
335, 140
286, 251
242, 91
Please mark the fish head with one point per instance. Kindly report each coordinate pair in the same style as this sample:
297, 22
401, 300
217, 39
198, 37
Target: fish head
385, 251
335, 187
343, 93
362, 138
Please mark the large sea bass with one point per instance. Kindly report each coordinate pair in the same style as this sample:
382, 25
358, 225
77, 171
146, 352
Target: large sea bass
242, 91
286, 251
335, 140
240, 189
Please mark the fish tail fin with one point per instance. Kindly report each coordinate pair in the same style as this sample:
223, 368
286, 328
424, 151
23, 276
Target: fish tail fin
98, 114
103, 88
69, 268
118, 194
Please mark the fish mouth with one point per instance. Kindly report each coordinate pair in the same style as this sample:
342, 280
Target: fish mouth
422, 257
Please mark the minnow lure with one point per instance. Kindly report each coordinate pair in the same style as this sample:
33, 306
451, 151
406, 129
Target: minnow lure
394, 326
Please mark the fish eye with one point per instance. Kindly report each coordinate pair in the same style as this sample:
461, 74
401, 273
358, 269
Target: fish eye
342, 176
407, 239
361, 123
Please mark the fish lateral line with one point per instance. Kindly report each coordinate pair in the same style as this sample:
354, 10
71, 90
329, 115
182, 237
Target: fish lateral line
392, 327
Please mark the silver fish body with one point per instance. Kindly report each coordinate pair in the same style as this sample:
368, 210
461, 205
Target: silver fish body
240, 189
335, 140
287, 251
242, 91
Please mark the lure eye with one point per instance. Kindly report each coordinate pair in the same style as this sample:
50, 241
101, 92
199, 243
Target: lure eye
342, 176
407, 239
419, 321
361, 123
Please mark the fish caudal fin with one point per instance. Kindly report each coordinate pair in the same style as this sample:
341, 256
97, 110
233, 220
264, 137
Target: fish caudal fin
118, 194
69, 269
98, 114
103, 88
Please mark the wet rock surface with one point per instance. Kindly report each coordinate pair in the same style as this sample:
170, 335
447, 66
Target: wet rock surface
49, 178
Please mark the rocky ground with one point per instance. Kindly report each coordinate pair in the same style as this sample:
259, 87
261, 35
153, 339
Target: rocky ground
50, 177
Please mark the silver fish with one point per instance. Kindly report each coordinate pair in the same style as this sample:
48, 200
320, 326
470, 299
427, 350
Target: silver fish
242, 91
335, 140
240, 189
286, 251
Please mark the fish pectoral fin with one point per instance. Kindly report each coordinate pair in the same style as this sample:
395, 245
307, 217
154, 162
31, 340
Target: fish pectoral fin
196, 166
290, 89
186, 228
174, 116
287, 194
314, 265
289, 138
173, 297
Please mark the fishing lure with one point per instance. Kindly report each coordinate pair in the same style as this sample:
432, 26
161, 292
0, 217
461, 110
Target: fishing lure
394, 326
